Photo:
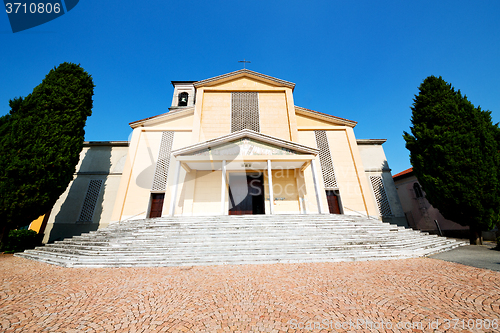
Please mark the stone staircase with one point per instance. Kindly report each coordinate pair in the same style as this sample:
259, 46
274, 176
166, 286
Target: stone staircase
244, 239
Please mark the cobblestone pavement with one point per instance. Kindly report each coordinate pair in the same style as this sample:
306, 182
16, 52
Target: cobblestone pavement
377, 296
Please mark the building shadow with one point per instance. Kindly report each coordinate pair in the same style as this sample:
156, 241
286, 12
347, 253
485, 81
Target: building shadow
83, 202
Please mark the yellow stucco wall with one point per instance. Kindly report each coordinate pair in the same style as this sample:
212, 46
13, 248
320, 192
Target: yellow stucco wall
207, 193
285, 192
143, 166
215, 115
345, 172
213, 109
135, 188
186, 194
137, 180
273, 114
366, 189
180, 140
354, 191
311, 205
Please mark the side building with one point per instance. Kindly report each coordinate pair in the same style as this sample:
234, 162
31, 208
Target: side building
229, 145
87, 203
419, 213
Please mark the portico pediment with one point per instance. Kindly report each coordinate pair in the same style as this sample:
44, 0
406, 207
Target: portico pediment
245, 147
245, 143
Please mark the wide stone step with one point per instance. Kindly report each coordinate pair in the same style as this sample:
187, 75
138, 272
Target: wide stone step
239, 240
188, 249
214, 241
253, 258
218, 240
242, 225
236, 237
339, 231
283, 225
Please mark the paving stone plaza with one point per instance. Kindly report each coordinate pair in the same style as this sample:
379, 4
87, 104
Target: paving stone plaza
411, 295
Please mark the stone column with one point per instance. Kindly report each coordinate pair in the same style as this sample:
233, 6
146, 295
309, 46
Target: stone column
316, 186
174, 190
270, 183
223, 190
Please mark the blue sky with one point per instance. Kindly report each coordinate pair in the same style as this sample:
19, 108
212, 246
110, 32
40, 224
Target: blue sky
360, 60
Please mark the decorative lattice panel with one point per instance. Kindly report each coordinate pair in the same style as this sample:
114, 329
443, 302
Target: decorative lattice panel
90, 201
325, 158
244, 111
383, 203
161, 172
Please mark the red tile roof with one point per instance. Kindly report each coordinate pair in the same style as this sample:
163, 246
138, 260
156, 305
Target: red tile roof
402, 173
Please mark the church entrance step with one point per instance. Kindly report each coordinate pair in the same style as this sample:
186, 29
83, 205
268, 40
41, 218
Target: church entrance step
241, 239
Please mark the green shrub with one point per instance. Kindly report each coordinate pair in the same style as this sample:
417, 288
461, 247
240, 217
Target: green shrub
20, 240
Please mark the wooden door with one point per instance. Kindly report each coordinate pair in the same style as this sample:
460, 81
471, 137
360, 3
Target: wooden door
156, 204
333, 202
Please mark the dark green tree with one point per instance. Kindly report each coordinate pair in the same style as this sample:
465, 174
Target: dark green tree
455, 152
40, 143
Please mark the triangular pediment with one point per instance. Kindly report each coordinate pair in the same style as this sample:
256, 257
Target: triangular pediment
244, 79
244, 147
245, 143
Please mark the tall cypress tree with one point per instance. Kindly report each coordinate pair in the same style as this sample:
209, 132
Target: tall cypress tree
40, 143
455, 152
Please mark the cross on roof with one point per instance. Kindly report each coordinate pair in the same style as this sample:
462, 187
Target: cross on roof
244, 61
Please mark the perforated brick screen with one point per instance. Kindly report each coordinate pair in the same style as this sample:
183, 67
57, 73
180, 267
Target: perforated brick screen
383, 203
161, 172
90, 201
325, 158
245, 111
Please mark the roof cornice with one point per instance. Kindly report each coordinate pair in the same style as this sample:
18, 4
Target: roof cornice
106, 143
167, 115
324, 116
371, 141
245, 72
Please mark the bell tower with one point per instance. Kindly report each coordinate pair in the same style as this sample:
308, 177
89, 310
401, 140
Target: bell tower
184, 94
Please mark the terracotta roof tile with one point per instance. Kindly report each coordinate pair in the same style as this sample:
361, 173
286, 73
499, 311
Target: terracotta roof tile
402, 173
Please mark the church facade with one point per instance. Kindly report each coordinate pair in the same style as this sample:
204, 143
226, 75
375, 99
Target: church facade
230, 145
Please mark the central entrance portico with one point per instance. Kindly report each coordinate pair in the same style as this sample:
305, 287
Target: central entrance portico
258, 173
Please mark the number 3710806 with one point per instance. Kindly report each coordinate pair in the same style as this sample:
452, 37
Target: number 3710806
32, 8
